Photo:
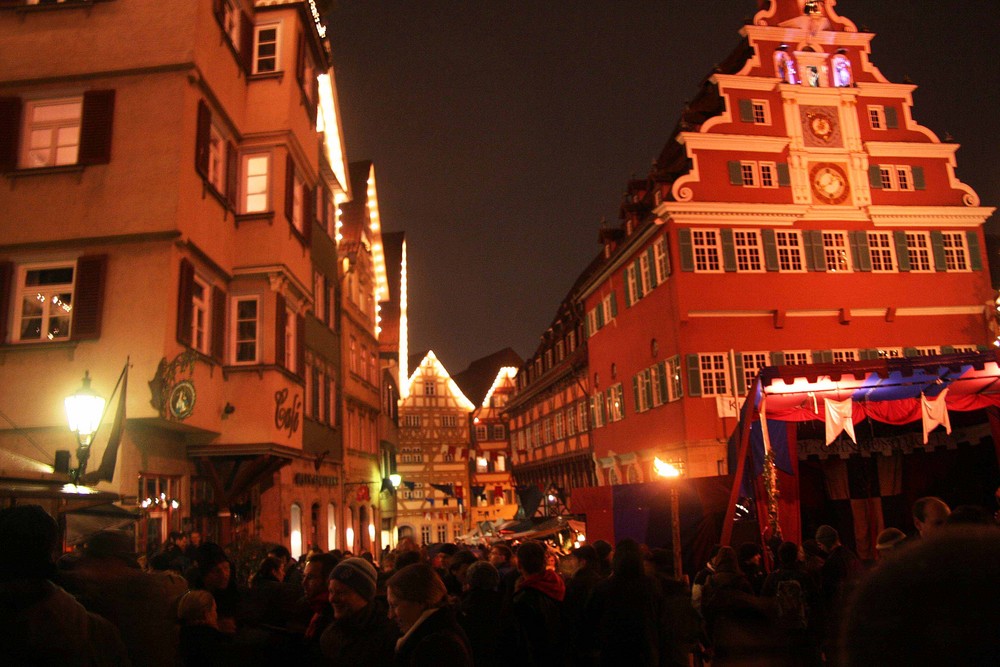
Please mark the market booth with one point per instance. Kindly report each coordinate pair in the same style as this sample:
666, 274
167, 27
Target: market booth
853, 444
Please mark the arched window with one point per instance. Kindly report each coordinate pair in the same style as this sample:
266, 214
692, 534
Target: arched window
331, 526
784, 66
349, 532
842, 71
295, 525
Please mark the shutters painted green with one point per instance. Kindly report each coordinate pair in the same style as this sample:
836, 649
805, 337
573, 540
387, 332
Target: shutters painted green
728, 250
735, 173
947, 349
918, 179
686, 249
629, 299
778, 358
784, 180
635, 392
891, 121
739, 372
600, 315
860, 252
822, 356
637, 268
937, 246
746, 111
770, 249
614, 305
911, 352
875, 176
651, 261
868, 354
975, 256
902, 252
815, 255
661, 378
649, 372
694, 375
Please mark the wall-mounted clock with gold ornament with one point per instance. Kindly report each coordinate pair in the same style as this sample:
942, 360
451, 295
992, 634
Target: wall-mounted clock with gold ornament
829, 183
820, 128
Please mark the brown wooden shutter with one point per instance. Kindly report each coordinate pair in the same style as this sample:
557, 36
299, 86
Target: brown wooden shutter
185, 297
232, 173
280, 321
219, 11
289, 188
218, 324
203, 137
88, 297
308, 213
10, 131
96, 127
300, 345
6, 289
246, 42
300, 60
324, 215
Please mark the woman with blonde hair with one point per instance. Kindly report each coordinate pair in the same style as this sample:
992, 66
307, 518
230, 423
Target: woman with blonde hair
418, 602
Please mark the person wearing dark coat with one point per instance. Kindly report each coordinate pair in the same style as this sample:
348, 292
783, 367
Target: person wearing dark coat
536, 609
361, 632
578, 590
201, 644
432, 635
480, 605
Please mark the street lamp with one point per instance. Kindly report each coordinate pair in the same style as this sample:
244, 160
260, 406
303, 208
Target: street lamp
395, 479
84, 411
672, 473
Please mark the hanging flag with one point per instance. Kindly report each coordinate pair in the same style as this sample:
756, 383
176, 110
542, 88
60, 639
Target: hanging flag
839, 418
446, 489
934, 413
106, 471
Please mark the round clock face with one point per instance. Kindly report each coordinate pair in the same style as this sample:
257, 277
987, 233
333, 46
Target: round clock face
829, 182
181, 402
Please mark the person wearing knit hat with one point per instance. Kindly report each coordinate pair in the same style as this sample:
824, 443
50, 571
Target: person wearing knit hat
361, 632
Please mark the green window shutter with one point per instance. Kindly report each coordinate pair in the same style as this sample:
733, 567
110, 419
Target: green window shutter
629, 300
918, 179
746, 111
868, 354
891, 121
875, 176
815, 257
860, 252
937, 245
635, 391
983, 348
947, 349
614, 305
651, 260
600, 315
694, 375
910, 352
770, 249
735, 173
728, 250
784, 180
586, 327
822, 356
975, 256
902, 252
739, 381
637, 268
778, 358
686, 249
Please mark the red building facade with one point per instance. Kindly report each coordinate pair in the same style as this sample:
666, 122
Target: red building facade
797, 214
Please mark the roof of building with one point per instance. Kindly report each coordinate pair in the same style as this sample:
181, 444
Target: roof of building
476, 380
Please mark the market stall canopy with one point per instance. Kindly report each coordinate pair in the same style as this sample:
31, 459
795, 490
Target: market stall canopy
84, 522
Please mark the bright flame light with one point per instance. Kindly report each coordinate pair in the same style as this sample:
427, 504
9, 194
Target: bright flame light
371, 532
664, 469
350, 538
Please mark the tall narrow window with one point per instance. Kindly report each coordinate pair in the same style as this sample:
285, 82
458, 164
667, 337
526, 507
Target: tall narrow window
256, 168
291, 343
955, 253
266, 49
707, 250
789, 244
200, 295
882, 250
752, 363
714, 370
876, 117
662, 257
768, 175
748, 250
837, 252
217, 160
246, 329
918, 247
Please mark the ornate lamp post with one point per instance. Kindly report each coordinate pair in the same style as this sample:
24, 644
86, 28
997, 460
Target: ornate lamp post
84, 410
672, 473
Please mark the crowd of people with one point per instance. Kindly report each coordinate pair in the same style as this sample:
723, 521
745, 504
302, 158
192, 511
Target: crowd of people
931, 598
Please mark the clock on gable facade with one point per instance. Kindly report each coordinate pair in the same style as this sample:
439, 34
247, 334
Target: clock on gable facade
820, 127
829, 183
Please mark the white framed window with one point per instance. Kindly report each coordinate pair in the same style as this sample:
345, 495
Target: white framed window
607, 308
674, 388
896, 177
632, 282
557, 425
482, 464
658, 380
752, 363
430, 388
645, 277
956, 254
965, 348
266, 48
425, 534
449, 421
331, 399
246, 329
662, 258
761, 112
45, 295
918, 247
442, 532
597, 410
51, 132
217, 159
256, 182
201, 294
890, 352
231, 22
837, 252
616, 404
571, 421
876, 116
291, 342
714, 371
842, 356
592, 321
499, 432
797, 357
904, 177
643, 391
768, 175
500, 464
546, 430
883, 252
748, 172
707, 250
790, 256
749, 250
481, 432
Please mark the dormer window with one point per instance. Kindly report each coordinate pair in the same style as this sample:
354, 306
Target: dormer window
842, 77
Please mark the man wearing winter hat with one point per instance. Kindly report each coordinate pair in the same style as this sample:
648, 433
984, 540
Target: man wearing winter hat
361, 632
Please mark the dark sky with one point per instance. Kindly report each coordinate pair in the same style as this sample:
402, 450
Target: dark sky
502, 132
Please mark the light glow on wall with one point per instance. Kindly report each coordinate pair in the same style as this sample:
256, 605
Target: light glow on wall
404, 347
328, 122
350, 538
507, 373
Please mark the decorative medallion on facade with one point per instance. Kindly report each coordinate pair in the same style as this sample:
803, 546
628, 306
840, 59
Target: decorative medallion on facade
820, 128
171, 390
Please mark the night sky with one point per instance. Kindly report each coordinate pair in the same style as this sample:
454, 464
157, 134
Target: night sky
503, 132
